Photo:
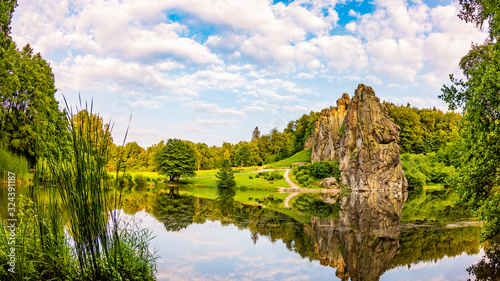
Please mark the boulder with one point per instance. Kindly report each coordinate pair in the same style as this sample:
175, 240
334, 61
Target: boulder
331, 183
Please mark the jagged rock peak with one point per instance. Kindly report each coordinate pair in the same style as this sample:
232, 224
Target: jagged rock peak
369, 153
325, 138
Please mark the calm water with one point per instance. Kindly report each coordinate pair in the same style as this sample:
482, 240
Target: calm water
355, 236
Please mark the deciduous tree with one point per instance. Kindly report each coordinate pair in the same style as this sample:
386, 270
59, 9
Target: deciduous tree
177, 159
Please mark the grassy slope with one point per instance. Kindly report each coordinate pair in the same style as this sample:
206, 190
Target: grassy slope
301, 156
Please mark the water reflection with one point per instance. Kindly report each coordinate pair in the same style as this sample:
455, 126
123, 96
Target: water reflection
488, 268
364, 240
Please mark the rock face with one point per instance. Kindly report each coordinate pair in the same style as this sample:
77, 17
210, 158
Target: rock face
360, 135
369, 150
325, 139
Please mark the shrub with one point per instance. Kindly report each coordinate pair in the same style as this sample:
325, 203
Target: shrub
250, 177
128, 179
303, 179
140, 180
416, 181
300, 174
321, 170
276, 175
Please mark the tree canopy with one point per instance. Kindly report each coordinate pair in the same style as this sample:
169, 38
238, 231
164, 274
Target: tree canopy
479, 97
29, 109
177, 158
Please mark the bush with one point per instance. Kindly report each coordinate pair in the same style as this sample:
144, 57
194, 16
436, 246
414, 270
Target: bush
321, 170
250, 177
300, 174
416, 181
303, 179
140, 180
276, 175
128, 179
310, 182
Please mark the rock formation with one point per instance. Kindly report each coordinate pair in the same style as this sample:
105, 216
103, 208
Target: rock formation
325, 139
369, 150
360, 135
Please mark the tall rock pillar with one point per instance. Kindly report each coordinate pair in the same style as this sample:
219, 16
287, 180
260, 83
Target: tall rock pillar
369, 151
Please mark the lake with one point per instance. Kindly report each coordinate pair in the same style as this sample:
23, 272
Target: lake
351, 236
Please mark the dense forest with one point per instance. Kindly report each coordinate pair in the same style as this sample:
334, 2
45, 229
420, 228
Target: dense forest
422, 131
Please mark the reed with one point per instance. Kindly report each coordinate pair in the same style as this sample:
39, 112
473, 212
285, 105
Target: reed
98, 245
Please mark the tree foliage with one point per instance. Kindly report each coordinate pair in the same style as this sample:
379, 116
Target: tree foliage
177, 159
479, 97
28, 108
225, 176
423, 130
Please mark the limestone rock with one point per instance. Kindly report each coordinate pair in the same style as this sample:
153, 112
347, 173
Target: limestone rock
331, 183
369, 153
325, 138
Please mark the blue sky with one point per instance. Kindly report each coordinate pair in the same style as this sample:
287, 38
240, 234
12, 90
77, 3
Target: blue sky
210, 71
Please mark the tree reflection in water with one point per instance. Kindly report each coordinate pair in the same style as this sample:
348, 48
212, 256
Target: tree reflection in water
489, 266
362, 242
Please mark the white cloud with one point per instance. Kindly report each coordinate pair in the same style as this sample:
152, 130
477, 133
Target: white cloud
214, 109
251, 58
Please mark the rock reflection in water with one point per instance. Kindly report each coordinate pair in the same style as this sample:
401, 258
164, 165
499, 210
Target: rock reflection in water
364, 240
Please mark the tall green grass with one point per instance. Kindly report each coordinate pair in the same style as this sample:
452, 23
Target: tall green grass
100, 246
9, 162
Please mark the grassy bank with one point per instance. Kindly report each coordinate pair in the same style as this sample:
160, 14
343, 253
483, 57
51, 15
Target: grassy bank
9, 162
301, 156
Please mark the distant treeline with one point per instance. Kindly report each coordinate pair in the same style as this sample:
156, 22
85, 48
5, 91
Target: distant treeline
422, 131
260, 150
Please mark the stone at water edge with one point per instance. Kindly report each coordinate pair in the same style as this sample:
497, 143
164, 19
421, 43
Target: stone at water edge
330, 183
369, 153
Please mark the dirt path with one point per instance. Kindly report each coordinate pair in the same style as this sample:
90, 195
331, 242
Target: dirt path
295, 190
293, 186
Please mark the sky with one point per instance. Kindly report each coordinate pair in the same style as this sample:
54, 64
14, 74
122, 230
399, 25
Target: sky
212, 70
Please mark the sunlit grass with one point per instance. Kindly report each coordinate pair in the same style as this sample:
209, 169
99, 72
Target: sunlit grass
301, 156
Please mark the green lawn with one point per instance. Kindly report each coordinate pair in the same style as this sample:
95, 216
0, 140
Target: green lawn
242, 180
301, 156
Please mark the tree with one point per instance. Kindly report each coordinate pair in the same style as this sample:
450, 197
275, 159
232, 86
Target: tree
256, 134
243, 156
177, 159
29, 109
225, 176
478, 96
